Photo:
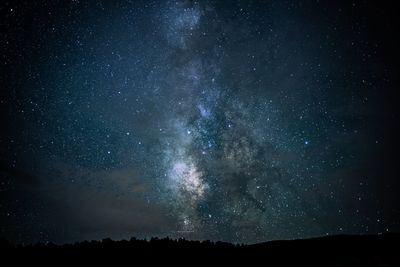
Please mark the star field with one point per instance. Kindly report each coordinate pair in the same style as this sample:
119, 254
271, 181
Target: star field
244, 121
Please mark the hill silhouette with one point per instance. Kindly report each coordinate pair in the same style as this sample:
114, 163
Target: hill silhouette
341, 250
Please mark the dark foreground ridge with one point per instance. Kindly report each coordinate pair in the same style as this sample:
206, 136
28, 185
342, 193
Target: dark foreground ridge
341, 250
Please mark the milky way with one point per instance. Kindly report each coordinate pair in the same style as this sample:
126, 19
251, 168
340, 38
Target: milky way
243, 121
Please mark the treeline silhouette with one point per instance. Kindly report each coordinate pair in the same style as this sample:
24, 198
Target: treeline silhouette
341, 250
133, 243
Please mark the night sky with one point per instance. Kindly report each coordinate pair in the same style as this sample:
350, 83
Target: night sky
241, 121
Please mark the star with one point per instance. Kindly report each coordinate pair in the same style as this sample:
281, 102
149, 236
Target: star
183, 117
